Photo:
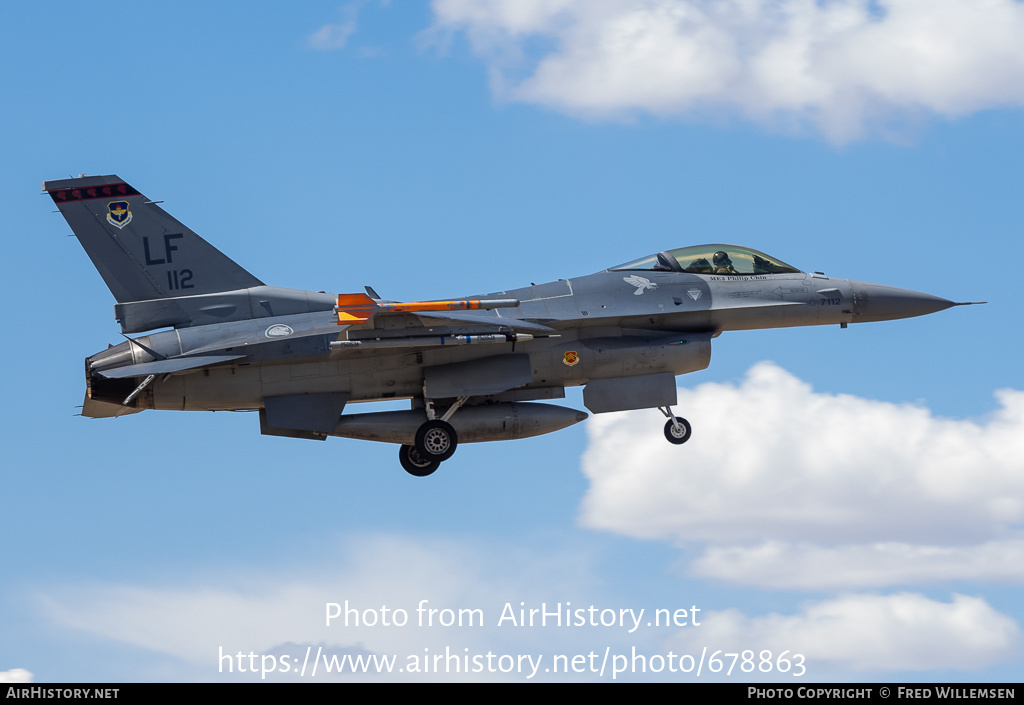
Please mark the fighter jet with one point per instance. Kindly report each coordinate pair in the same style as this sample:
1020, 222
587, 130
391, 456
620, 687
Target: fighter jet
473, 368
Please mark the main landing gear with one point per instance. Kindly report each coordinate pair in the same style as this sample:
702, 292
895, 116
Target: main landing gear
436, 441
677, 429
414, 463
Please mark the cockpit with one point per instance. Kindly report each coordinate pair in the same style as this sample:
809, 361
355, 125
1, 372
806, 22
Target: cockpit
711, 259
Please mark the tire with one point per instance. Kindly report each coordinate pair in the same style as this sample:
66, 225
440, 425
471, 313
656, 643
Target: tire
414, 464
436, 440
676, 437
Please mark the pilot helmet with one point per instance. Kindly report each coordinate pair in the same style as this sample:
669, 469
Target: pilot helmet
721, 259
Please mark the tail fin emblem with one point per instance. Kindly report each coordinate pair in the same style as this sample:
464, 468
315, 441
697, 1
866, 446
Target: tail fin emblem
118, 214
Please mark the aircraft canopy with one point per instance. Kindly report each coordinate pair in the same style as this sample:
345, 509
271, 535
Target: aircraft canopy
712, 259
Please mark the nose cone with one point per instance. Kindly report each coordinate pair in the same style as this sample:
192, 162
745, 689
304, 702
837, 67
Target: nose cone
876, 302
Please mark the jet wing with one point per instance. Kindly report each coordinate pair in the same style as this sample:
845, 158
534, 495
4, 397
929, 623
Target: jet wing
353, 309
516, 324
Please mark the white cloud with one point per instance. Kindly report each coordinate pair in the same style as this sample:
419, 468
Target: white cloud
784, 487
869, 633
15, 675
336, 36
770, 458
843, 66
279, 611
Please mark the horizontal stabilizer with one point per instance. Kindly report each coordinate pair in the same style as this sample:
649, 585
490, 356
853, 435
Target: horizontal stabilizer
248, 333
162, 367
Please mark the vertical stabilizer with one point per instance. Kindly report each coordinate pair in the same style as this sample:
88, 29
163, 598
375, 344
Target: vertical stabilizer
141, 252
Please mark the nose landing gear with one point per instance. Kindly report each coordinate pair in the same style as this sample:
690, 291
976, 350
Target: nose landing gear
677, 429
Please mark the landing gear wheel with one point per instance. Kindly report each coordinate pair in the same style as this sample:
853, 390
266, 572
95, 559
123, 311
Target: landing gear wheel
414, 464
436, 440
678, 435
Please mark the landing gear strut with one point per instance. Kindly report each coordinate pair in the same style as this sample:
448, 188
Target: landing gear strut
436, 441
677, 429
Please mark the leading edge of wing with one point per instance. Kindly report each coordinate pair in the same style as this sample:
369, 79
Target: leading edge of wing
490, 321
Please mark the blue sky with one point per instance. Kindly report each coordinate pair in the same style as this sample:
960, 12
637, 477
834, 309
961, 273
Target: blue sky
852, 495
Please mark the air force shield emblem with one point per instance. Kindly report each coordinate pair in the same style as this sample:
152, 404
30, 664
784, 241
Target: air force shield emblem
118, 214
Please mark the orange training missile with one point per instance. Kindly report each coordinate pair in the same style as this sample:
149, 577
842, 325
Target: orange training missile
354, 308
359, 308
455, 305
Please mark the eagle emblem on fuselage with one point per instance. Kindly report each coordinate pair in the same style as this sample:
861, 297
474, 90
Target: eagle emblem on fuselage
640, 283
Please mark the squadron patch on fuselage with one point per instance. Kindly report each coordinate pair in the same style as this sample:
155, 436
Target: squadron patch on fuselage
570, 358
118, 214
